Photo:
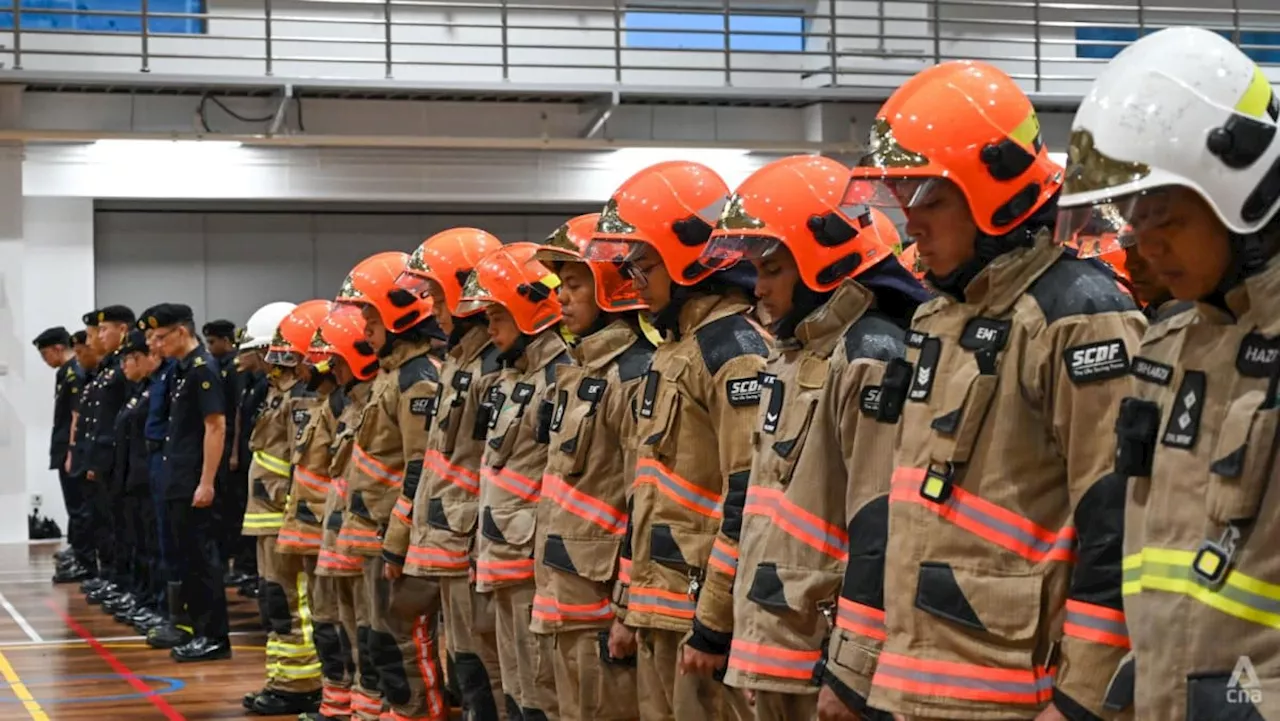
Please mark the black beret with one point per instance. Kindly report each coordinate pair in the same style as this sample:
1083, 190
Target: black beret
79, 338
116, 314
90, 319
135, 342
51, 337
219, 329
167, 314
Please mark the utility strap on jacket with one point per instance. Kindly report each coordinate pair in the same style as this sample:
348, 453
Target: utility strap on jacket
273, 464
1171, 571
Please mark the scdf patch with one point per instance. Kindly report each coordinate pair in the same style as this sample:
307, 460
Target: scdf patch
743, 391
1097, 361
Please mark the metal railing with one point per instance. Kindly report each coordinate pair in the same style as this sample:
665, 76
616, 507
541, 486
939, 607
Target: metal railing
1050, 47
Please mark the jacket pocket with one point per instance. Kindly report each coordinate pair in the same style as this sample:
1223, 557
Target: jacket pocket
993, 613
574, 441
1241, 458
785, 589
508, 526
449, 423
591, 558
968, 396
457, 518
658, 412
677, 548
502, 437
791, 435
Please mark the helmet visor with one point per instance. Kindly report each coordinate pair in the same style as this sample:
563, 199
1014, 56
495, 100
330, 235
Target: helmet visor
416, 284
725, 250
283, 357
890, 194
1109, 226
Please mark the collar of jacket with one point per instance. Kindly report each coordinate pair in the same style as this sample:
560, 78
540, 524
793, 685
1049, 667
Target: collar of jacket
285, 381
541, 350
470, 345
403, 353
1252, 300
703, 309
189, 359
998, 286
821, 330
358, 391
598, 349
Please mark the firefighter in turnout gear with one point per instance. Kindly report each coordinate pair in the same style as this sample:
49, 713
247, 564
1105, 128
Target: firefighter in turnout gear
582, 514
386, 465
702, 392
340, 606
1191, 171
824, 444
517, 294
442, 531
1004, 514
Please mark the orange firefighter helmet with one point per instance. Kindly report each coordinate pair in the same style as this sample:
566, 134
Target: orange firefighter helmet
374, 278
292, 340
511, 277
343, 331
447, 258
615, 292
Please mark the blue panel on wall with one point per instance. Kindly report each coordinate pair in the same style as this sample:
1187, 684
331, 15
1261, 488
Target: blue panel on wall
80, 16
1266, 45
654, 30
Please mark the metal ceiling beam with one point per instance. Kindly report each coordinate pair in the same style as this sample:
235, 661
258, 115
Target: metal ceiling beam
601, 116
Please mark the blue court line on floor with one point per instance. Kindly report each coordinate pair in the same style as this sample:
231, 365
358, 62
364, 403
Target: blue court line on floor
35, 682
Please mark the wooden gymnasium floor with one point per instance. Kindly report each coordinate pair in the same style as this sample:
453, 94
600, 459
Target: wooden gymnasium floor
61, 658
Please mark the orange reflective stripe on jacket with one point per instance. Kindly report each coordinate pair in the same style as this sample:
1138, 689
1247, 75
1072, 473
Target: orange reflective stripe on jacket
584, 506
861, 619
340, 487
624, 570
549, 609
662, 603
513, 483
374, 469
299, 539
316, 482
339, 561
798, 523
988, 521
463, 478
504, 571
1096, 623
359, 537
776, 661
438, 558
969, 682
402, 509
724, 558
698, 500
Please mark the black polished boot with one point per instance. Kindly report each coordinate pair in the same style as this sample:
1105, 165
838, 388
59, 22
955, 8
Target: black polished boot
281, 703
72, 573
202, 648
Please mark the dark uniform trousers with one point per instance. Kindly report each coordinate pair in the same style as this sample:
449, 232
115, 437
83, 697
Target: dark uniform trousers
137, 541
102, 523
193, 540
79, 522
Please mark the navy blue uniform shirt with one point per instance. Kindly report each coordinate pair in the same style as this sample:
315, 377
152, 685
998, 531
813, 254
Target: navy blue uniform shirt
195, 392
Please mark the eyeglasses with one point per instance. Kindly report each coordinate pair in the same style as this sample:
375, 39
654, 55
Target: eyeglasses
638, 274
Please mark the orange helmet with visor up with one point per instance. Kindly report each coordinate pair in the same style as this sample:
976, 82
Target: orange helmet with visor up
513, 279
447, 258
343, 331
615, 292
292, 340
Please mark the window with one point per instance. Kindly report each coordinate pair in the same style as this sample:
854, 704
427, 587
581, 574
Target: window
694, 30
85, 21
1261, 46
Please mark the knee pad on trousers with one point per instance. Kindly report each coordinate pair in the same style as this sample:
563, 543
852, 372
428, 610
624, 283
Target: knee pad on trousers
276, 607
534, 714
514, 712
473, 686
344, 649
391, 677
368, 670
329, 650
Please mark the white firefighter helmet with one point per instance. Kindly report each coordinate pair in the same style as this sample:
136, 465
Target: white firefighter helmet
261, 326
1180, 107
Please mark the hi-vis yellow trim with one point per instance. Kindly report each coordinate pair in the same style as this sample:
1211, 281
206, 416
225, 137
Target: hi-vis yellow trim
263, 520
1170, 570
274, 464
1257, 96
280, 668
649, 331
1027, 131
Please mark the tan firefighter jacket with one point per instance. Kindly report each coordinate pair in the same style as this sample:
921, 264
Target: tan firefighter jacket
695, 416
316, 419
582, 515
1202, 528
518, 408
823, 454
271, 442
331, 562
386, 453
1004, 513
440, 531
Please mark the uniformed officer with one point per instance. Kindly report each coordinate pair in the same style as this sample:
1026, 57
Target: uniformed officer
104, 398
54, 345
701, 393
220, 339
582, 511
1004, 515
440, 543
1176, 143
823, 448
193, 449
74, 464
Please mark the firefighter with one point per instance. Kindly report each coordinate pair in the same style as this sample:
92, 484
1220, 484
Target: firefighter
293, 672
1004, 514
517, 294
446, 508
1177, 137
254, 385
824, 445
582, 513
339, 595
386, 464
695, 414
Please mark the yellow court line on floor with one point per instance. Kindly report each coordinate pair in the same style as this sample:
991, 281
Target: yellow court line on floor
20, 690
72, 643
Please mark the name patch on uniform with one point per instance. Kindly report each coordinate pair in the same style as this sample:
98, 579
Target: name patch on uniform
300, 417
985, 334
916, 339
1096, 361
869, 400
557, 419
922, 380
522, 393
650, 393
743, 391
275, 402
420, 406
777, 393
1259, 356
461, 381
592, 389
1151, 371
1184, 422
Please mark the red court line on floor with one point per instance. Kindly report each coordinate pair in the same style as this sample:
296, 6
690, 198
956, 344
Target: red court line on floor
116, 665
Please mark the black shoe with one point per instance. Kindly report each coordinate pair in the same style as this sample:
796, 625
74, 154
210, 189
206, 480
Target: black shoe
144, 621
93, 583
71, 574
64, 555
140, 614
281, 703
122, 602
250, 589
104, 593
201, 649
167, 635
